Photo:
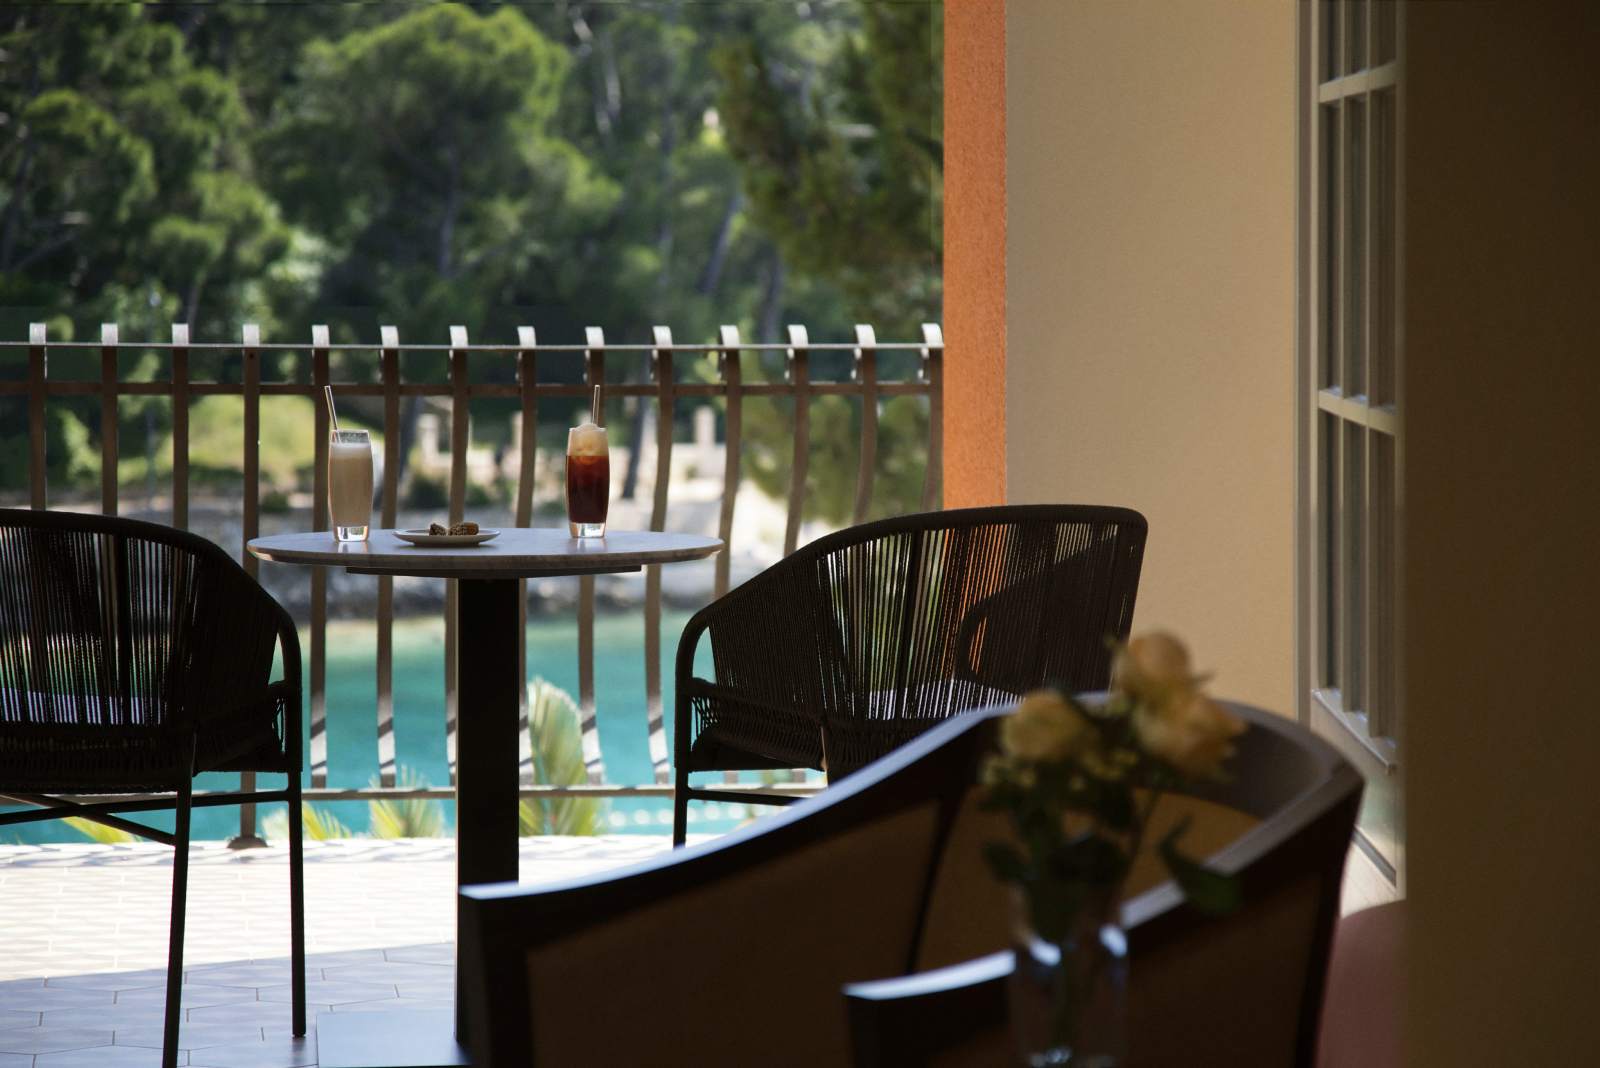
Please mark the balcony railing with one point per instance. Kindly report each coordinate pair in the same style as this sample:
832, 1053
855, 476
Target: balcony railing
662, 384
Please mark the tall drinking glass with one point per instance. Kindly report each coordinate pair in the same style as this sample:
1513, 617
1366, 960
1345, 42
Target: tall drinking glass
350, 484
588, 480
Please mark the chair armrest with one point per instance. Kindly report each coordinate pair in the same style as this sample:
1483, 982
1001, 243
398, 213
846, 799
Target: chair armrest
944, 1013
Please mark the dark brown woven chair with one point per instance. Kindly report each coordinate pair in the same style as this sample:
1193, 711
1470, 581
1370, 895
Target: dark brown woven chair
735, 951
132, 658
865, 638
1246, 988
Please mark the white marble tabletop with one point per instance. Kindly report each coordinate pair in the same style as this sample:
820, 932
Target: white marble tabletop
518, 552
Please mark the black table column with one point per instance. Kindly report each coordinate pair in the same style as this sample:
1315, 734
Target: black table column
487, 707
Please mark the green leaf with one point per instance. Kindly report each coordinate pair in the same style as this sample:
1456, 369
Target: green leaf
1211, 892
1005, 861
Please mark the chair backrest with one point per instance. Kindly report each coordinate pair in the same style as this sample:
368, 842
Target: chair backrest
903, 622
730, 950
122, 625
1240, 989
724, 951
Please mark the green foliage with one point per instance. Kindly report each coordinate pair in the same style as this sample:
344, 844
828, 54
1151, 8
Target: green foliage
558, 759
412, 817
99, 832
1207, 890
318, 825
424, 165
425, 493
1079, 783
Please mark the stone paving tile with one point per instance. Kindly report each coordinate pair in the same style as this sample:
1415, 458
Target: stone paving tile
195, 996
374, 931
50, 1039
438, 953
105, 1057
445, 989
398, 1005
190, 1035
254, 1013
251, 974
98, 1016
10, 1018
45, 998
113, 980
330, 992
389, 972
271, 1053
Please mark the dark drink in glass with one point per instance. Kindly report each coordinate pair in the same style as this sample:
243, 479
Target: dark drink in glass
588, 480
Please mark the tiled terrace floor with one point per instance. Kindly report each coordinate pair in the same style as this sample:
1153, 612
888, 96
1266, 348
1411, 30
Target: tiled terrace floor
83, 943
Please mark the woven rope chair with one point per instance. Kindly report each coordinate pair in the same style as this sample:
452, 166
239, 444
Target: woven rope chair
132, 658
863, 639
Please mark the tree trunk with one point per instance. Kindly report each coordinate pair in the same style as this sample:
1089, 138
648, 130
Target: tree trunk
712, 276
772, 299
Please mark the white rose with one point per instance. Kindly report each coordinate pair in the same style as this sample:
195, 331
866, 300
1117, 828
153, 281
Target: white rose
1043, 728
1194, 735
1153, 667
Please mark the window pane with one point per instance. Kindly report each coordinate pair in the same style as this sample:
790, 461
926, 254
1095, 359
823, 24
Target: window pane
1382, 593
1352, 564
1327, 354
1355, 247
1327, 671
1330, 30
1384, 14
1381, 386
1355, 45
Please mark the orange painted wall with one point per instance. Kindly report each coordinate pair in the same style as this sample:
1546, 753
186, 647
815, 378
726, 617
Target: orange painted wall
975, 252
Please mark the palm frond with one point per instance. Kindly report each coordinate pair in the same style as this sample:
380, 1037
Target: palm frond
558, 760
412, 817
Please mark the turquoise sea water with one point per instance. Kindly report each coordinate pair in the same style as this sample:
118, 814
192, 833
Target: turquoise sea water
419, 717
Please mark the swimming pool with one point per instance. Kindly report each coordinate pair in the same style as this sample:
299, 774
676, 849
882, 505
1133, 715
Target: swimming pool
419, 718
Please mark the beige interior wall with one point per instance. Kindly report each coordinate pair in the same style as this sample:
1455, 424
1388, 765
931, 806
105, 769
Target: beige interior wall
1501, 477
1150, 177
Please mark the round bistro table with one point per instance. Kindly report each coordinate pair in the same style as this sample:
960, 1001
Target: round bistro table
488, 699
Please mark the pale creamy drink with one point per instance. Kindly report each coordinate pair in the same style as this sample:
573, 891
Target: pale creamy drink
588, 480
350, 484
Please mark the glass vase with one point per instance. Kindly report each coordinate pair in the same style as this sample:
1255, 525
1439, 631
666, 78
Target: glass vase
1069, 999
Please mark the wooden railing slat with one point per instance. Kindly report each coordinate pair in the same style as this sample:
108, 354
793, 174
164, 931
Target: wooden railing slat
108, 418
250, 355
527, 472
389, 369
594, 366
865, 373
319, 576
460, 440
666, 411
797, 368
728, 357
180, 425
931, 373
38, 379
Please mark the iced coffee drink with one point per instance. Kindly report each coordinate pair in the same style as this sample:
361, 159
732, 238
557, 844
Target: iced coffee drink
350, 484
588, 480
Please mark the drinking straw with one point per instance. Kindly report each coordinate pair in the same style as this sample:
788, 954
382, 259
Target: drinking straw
327, 391
594, 410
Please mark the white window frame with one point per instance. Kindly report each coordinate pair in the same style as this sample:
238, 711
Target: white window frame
1349, 505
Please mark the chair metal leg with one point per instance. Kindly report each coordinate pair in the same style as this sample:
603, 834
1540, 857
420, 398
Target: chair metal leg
180, 900
297, 908
680, 802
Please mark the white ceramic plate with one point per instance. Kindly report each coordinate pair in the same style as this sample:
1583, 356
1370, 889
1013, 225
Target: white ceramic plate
422, 539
